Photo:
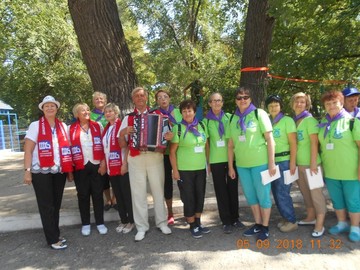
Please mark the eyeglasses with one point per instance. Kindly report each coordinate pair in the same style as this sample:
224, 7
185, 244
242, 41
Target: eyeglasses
217, 100
242, 97
163, 97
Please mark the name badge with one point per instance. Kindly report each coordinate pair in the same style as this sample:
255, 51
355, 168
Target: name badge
199, 149
242, 138
329, 146
220, 143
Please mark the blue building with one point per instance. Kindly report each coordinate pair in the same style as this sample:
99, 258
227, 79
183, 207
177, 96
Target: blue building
9, 133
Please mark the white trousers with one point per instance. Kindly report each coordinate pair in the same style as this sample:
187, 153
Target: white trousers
147, 165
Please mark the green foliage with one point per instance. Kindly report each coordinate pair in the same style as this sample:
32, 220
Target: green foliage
40, 56
192, 40
316, 40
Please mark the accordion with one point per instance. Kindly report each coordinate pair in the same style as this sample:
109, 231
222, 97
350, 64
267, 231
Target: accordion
150, 130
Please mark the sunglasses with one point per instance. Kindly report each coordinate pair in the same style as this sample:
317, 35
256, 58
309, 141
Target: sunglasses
242, 97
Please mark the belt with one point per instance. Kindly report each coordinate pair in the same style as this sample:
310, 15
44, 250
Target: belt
282, 154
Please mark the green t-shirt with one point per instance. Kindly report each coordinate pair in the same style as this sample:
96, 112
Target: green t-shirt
251, 151
307, 127
96, 117
190, 153
340, 162
218, 146
280, 133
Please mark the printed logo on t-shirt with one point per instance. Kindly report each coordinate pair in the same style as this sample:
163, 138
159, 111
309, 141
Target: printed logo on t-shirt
250, 124
337, 134
276, 133
44, 145
300, 135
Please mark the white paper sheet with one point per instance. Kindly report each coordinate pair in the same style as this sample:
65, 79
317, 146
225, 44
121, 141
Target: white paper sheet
288, 178
266, 178
315, 180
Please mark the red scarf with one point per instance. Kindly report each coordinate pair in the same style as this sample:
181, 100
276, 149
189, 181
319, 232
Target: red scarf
45, 145
76, 149
135, 152
114, 160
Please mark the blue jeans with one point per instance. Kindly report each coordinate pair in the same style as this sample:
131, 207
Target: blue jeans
281, 194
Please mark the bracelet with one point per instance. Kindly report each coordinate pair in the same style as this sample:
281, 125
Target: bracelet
27, 169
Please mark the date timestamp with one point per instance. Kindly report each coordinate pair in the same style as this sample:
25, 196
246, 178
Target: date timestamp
298, 244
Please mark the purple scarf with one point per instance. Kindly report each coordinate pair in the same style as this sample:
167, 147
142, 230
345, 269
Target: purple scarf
212, 116
302, 115
277, 118
191, 127
168, 113
327, 124
243, 115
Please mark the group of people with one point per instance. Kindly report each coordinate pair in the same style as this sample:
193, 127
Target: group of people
100, 146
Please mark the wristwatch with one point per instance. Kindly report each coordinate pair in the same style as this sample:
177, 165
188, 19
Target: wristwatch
27, 169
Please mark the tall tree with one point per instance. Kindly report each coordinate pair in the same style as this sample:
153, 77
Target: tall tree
104, 49
257, 45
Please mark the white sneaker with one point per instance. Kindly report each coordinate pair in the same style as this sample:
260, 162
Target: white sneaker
139, 236
165, 229
102, 229
120, 228
86, 230
128, 228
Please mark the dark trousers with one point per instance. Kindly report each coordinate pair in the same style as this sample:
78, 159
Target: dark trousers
192, 191
49, 189
168, 184
226, 191
121, 189
88, 184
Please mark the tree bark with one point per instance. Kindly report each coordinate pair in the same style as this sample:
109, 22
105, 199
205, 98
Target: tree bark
104, 49
256, 51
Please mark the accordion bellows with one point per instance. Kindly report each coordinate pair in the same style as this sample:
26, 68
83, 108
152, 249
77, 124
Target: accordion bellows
149, 133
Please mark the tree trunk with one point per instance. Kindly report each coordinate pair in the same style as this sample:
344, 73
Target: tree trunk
104, 49
256, 51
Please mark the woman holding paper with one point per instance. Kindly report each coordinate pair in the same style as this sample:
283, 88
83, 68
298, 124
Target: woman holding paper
250, 138
284, 132
307, 158
339, 138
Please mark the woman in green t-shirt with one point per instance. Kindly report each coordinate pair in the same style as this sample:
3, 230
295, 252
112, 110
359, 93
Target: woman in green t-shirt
284, 132
188, 161
226, 189
339, 139
307, 157
251, 140
162, 98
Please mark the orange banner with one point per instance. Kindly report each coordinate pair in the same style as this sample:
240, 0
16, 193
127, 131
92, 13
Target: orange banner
247, 69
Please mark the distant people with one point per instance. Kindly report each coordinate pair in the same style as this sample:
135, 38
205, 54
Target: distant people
284, 133
97, 114
307, 157
117, 168
351, 101
47, 159
226, 189
162, 98
88, 153
339, 139
188, 161
143, 166
196, 93
251, 140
